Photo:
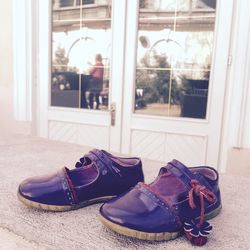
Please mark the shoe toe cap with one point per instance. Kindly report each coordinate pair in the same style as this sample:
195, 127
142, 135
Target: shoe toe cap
45, 190
136, 211
30, 189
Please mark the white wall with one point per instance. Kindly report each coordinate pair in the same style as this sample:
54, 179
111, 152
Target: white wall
6, 68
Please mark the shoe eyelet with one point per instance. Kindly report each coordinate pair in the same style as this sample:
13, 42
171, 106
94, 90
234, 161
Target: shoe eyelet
104, 171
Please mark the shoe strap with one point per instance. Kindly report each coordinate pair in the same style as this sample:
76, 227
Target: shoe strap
103, 162
182, 172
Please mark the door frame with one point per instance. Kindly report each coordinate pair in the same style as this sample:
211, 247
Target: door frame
33, 61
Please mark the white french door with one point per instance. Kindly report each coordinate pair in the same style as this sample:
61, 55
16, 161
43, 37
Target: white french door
139, 120
164, 137
70, 34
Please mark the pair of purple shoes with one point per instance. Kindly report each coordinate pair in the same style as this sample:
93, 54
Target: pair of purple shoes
178, 201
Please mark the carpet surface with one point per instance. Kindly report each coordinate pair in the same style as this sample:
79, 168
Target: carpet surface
24, 156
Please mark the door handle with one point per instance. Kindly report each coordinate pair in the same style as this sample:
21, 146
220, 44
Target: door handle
113, 113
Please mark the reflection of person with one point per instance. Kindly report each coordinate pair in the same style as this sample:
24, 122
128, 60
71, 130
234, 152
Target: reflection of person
96, 83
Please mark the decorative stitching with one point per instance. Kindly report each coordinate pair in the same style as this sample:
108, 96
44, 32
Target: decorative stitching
69, 188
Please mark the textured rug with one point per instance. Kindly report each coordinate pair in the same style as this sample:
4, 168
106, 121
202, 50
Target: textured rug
23, 156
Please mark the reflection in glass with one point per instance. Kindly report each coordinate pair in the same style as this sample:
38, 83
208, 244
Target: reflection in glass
175, 43
70, 3
81, 49
179, 5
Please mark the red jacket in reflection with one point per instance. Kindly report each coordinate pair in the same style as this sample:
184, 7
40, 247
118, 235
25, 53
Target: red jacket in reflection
97, 71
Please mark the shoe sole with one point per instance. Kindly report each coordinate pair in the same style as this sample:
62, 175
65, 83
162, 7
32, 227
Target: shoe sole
56, 208
149, 236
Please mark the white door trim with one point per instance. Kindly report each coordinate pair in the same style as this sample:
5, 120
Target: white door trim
22, 60
43, 38
117, 70
129, 73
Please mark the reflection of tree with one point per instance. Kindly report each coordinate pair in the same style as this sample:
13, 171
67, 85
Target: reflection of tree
156, 81
61, 61
206, 73
142, 4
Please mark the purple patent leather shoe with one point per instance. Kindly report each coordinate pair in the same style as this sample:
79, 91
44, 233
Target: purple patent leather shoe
158, 211
98, 176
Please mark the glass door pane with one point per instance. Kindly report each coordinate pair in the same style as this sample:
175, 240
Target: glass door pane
81, 50
175, 46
